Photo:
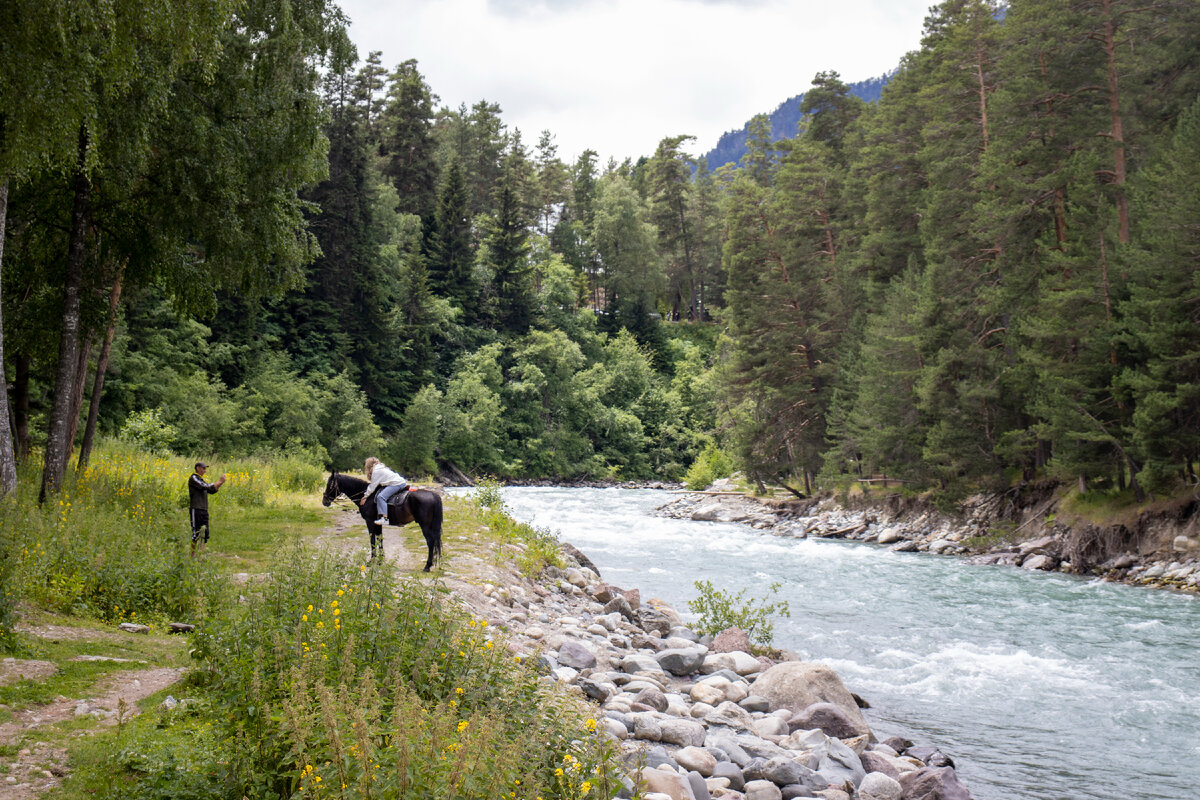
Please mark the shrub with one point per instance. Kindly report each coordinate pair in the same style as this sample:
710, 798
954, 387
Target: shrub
718, 610
148, 431
710, 465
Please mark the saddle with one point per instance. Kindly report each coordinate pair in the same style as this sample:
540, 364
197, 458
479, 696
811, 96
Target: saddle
396, 506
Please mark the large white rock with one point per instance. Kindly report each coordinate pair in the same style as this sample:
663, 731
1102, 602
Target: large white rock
795, 685
877, 786
762, 790
667, 782
698, 759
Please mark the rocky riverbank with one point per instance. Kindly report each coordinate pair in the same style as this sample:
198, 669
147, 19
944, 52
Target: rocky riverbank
696, 717
1160, 549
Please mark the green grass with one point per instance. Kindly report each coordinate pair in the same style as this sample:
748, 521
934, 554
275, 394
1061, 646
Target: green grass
321, 667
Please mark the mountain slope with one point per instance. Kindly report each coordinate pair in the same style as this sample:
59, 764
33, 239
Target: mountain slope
785, 122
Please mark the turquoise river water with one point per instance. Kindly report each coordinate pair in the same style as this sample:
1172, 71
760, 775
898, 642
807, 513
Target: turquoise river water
1040, 686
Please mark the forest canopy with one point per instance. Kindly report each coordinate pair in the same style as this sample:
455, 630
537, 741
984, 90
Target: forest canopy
222, 232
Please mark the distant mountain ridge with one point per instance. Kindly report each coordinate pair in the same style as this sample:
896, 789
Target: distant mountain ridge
785, 122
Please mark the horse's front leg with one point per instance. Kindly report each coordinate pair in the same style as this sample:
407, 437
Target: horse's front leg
376, 540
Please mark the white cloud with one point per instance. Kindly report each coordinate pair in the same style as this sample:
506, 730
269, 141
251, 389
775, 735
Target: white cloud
616, 76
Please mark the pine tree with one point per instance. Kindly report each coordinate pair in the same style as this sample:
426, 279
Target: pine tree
407, 142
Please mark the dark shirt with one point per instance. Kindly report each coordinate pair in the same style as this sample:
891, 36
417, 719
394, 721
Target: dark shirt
198, 492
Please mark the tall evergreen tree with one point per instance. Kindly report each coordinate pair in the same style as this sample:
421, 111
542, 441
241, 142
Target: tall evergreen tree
407, 142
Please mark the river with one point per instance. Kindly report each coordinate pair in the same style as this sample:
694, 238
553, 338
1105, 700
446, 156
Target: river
1040, 686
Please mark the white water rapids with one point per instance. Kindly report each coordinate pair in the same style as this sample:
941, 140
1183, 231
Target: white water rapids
1040, 686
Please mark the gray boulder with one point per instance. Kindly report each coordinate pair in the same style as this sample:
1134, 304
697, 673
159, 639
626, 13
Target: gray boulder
576, 656
754, 703
730, 715
652, 697
879, 762
933, 783
683, 732
636, 662
796, 685
829, 719
780, 770
699, 787
681, 661
730, 772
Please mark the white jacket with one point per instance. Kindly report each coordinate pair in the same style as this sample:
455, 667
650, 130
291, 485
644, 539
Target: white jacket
382, 476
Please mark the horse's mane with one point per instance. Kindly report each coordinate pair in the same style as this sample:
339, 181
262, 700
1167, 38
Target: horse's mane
351, 482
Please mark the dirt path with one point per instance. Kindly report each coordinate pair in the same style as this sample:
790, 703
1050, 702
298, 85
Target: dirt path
42, 765
347, 533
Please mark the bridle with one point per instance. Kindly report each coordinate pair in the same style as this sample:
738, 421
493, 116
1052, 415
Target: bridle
338, 493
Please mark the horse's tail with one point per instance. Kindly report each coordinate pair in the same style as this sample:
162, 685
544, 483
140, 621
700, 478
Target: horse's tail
435, 527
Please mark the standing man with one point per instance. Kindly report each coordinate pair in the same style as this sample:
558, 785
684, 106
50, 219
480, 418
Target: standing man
198, 492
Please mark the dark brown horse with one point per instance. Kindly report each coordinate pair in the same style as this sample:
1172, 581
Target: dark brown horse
419, 505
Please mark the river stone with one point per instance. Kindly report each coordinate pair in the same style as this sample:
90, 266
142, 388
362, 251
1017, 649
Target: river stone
700, 710
699, 787
796, 685
1182, 544
730, 772
762, 790
636, 663
656, 619
829, 719
754, 702
780, 770
653, 698
1040, 561
619, 605
837, 763
614, 729
717, 512
877, 786
565, 674
680, 662
600, 691
731, 639
769, 726
730, 715
877, 762
931, 756
683, 632
706, 693
646, 727
727, 745
683, 732
698, 759
889, 535
667, 782
576, 656
933, 783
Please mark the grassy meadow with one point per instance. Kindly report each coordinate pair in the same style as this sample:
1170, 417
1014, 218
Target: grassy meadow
312, 672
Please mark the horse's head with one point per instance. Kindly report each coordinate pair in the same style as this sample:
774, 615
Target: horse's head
332, 490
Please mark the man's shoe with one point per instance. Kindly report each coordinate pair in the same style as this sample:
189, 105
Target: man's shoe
381, 521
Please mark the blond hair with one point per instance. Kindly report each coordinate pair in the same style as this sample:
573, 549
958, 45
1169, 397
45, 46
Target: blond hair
370, 465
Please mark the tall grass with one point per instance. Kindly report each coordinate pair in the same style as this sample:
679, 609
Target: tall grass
339, 680
324, 678
114, 542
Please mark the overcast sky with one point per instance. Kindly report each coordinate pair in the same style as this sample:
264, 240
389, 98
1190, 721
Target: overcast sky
617, 76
